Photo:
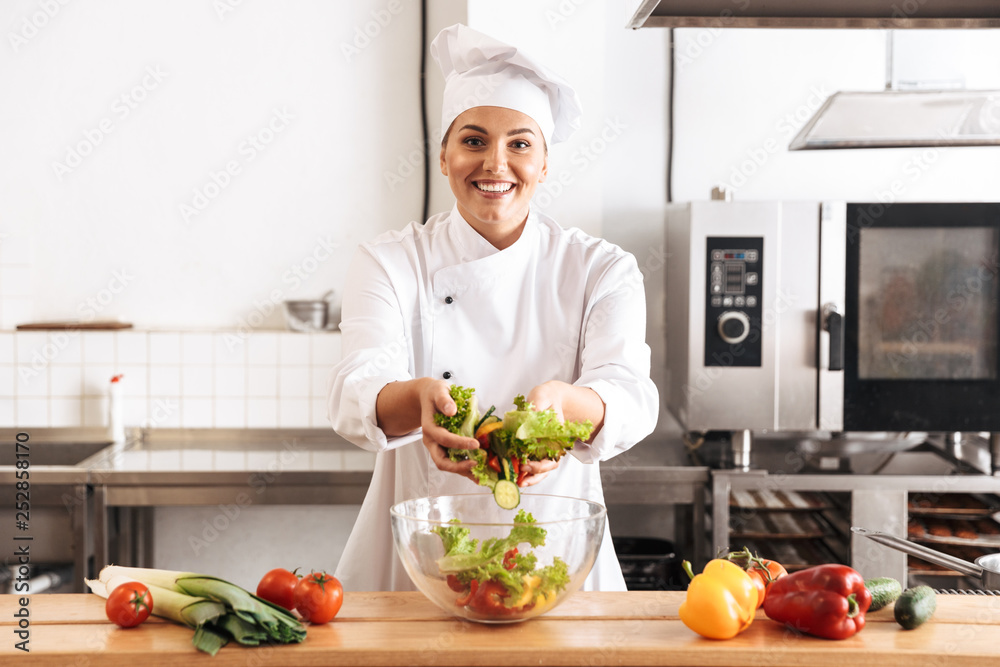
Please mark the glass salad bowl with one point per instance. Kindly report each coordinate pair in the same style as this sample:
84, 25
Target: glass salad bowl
484, 563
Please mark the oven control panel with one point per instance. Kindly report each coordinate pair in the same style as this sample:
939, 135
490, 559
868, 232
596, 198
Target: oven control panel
733, 301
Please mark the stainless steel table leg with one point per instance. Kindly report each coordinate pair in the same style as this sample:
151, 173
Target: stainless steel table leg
884, 511
81, 539
100, 532
142, 534
721, 487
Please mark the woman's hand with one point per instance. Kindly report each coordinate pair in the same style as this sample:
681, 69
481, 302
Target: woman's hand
406, 405
569, 402
434, 397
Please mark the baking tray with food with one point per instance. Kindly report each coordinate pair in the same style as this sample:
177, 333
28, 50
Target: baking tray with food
959, 505
975, 532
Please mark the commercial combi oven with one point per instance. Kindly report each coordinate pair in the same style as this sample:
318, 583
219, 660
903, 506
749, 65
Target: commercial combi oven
833, 316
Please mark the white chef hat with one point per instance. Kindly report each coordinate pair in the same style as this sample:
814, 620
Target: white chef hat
480, 71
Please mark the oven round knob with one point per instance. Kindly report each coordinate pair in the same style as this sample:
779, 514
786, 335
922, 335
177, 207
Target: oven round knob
734, 326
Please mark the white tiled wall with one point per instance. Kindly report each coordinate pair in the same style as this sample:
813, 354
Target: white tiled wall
264, 379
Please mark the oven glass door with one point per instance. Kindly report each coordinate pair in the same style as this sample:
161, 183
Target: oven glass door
922, 316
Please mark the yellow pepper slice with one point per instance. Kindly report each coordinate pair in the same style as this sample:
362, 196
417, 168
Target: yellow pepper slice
721, 601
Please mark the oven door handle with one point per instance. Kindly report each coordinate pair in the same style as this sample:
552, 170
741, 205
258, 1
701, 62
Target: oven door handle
833, 321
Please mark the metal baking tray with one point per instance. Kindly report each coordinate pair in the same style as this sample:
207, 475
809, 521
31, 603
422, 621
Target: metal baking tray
784, 501
776, 525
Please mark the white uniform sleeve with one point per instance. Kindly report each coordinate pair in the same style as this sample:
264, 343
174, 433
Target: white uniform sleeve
375, 353
616, 360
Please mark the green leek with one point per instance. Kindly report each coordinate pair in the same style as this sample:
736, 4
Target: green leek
216, 609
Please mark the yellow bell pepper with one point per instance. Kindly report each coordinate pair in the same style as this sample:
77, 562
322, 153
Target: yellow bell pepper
721, 601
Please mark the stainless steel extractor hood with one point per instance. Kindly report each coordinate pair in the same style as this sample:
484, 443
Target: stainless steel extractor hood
880, 14
891, 119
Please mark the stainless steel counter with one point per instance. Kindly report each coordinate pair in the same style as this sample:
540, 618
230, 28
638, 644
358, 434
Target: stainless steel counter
118, 485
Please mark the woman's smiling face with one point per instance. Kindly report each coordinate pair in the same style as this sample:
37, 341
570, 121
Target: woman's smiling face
494, 159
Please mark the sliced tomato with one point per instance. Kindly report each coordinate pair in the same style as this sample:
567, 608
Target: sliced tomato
508, 559
494, 463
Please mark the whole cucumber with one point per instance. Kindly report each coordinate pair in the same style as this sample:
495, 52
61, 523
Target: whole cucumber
884, 590
915, 606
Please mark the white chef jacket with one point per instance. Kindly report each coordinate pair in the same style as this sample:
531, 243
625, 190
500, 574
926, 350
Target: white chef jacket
439, 300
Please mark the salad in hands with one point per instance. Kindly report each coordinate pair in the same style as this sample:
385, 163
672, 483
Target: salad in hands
494, 578
505, 445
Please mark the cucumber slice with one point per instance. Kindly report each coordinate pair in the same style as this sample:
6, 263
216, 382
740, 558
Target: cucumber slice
507, 495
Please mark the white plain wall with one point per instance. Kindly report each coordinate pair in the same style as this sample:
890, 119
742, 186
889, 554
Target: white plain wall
742, 95
283, 227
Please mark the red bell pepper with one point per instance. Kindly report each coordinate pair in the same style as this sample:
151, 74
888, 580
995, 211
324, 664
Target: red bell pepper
826, 601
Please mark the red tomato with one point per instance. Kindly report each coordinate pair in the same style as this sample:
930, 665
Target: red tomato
318, 597
455, 585
764, 573
278, 586
129, 604
508, 559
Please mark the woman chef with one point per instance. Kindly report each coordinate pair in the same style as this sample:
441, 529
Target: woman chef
491, 295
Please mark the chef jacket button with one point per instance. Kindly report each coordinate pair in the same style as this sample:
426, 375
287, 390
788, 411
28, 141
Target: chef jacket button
446, 375
448, 299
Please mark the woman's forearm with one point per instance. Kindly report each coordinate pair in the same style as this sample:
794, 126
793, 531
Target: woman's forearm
397, 407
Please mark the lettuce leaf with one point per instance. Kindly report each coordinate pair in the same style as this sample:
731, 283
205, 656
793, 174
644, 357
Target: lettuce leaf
466, 416
469, 560
526, 434
538, 434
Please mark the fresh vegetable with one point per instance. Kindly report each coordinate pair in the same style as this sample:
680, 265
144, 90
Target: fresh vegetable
129, 604
318, 597
915, 606
764, 572
496, 577
278, 586
884, 590
505, 491
217, 610
466, 416
721, 602
524, 434
828, 601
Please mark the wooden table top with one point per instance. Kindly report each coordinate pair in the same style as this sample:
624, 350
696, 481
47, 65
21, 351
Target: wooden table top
405, 629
